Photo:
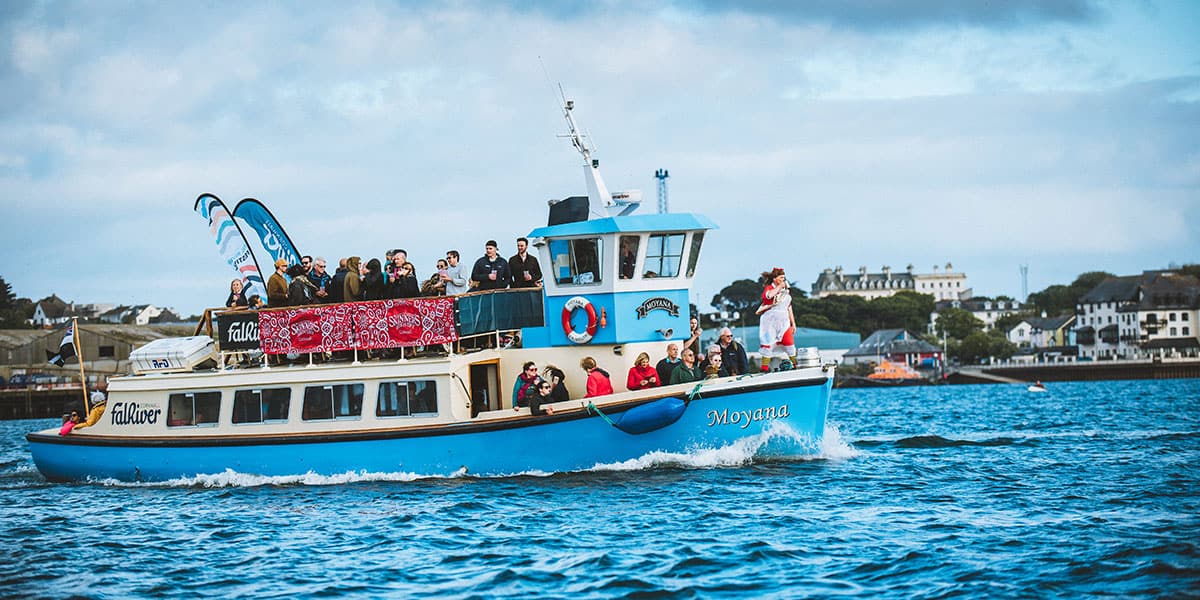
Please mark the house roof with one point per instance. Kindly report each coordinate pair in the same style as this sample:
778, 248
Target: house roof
1050, 323
1169, 290
892, 341
840, 281
1114, 289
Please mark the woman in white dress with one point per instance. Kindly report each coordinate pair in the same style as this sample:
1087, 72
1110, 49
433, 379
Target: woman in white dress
777, 324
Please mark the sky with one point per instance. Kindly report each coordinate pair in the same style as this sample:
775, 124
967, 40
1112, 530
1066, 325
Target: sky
1063, 135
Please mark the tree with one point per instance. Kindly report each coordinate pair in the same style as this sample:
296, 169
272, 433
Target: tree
743, 296
1061, 299
958, 323
14, 311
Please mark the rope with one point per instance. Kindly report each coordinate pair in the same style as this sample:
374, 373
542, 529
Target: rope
695, 393
593, 408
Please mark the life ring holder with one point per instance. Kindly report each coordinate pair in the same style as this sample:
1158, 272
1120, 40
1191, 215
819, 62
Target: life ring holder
569, 309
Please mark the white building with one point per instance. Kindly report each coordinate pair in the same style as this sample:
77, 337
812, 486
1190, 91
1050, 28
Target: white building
988, 311
1136, 316
945, 285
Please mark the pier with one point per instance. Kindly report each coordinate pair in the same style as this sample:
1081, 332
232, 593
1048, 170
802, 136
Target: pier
1183, 368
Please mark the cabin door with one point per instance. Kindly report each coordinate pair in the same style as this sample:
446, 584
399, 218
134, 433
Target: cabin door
485, 387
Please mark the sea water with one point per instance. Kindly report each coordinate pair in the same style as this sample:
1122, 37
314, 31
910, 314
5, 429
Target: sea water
979, 491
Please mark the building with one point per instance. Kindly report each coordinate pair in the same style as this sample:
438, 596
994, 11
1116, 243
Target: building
1139, 316
52, 311
945, 285
105, 348
1043, 332
987, 311
140, 314
893, 345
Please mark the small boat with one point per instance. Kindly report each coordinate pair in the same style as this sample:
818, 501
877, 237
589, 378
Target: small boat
192, 407
1036, 387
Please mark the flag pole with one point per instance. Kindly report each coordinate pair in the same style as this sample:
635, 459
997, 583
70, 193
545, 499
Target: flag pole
79, 356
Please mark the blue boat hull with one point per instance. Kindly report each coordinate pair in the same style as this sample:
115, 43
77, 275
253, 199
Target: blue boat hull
789, 417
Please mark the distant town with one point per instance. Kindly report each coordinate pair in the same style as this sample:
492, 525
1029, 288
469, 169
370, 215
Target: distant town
922, 320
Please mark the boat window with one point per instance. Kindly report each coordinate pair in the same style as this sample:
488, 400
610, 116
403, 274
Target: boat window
576, 262
694, 255
332, 401
407, 399
190, 409
261, 406
663, 255
629, 251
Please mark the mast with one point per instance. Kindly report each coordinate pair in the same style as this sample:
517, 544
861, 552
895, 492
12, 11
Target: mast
599, 198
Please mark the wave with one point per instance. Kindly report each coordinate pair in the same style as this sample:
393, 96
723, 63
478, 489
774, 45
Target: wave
748, 450
1019, 438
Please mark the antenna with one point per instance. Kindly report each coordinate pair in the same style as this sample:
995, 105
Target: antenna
1024, 284
662, 176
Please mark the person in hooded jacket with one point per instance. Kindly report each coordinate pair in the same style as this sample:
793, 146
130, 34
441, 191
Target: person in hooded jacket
352, 286
372, 283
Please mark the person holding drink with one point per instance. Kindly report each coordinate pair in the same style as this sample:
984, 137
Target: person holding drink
526, 272
490, 271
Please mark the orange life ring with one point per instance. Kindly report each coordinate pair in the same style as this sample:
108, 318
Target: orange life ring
569, 309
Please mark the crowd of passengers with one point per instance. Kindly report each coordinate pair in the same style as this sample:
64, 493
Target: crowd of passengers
310, 282
725, 358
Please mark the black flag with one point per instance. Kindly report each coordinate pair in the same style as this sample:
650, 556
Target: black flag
65, 351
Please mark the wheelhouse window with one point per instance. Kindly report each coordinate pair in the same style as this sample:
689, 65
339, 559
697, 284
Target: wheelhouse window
343, 401
261, 406
629, 251
191, 409
576, 262
664, 253
407, 399
694, 255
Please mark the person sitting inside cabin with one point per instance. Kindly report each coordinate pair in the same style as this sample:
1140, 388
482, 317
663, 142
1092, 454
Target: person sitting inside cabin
598, 383
69, 423
543, 396
641, 374
277, 286
687, 371
301, 291
667, 365
558, 382
525, 385
237, 295
98, 400
490, 271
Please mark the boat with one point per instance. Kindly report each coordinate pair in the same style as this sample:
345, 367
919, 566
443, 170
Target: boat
886, 374
422, 386
1036, 387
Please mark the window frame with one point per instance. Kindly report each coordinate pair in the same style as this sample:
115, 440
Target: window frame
238, 395
411, 393
356, 389
208, 395
573, 262
663, 254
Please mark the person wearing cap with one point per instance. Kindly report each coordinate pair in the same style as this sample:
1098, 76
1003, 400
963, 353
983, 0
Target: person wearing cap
490, 271
733, 354
277, 285
777, 324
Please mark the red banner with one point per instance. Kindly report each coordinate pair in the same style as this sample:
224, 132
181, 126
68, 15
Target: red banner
358, 325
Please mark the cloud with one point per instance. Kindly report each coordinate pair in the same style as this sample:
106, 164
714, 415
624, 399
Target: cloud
875, 15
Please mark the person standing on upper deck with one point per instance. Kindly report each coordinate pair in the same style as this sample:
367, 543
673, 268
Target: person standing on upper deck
456, 281
277, 285
526, 272
490, 271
